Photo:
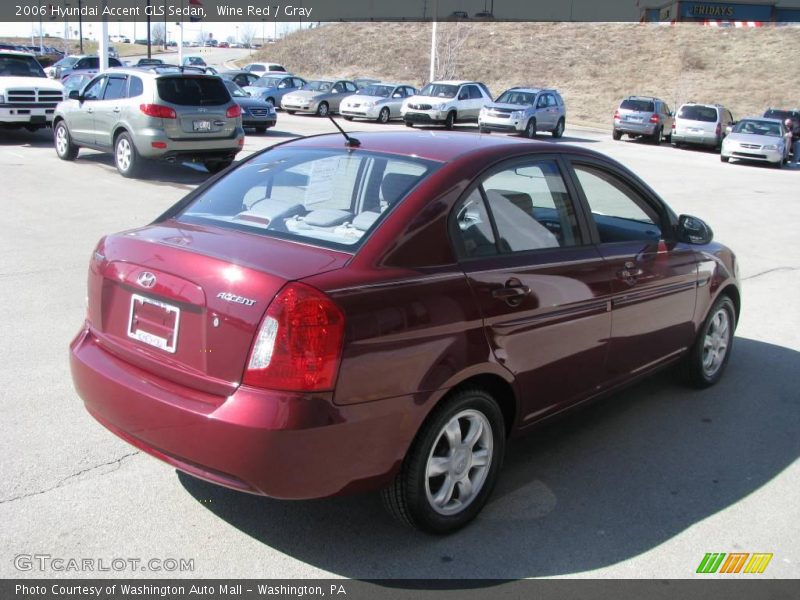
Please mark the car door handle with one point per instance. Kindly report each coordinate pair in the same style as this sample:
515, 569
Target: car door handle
512, 293
90, 110
117, 109
630, 272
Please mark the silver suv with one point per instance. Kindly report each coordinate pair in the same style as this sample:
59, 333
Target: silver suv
157, 113
701, 124
525, 110
446, 103
643, 116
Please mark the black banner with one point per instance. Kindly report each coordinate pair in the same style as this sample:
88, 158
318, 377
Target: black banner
399, 589
321, 10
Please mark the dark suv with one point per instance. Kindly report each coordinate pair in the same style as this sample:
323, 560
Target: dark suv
643, 116
783, 114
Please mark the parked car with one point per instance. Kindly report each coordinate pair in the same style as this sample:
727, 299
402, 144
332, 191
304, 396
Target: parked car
256, 113
76, 80
526, 111
362, 82
783, 114
758, 139
321, 97
700, 124
224, 45
112, 52
82, 62
158, 113
502, 281
274, 87
643, 116
446, 103
149, 62
378, 102
240, 78
27, 97
193, 61
263, 67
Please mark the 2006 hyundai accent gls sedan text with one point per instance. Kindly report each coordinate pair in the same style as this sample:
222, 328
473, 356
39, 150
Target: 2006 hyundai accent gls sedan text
328, 318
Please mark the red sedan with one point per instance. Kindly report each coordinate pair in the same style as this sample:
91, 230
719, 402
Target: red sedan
328, 318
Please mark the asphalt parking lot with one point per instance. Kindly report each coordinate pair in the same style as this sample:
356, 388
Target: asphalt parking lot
641, 485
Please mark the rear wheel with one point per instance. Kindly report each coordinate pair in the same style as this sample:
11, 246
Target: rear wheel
616, 134
323, 109
291, 112
450, 121
530, 129
706, 361
215, 166
384, 115
65, 149
127, 159
452, 465
559, 130
656, 137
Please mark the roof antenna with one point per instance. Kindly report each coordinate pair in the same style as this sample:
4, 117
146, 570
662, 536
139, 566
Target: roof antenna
350, 142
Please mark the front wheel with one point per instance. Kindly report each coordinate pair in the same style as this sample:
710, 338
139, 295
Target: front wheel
384, 115
724, 158
65, 149
452, 465
323, 109
707, 359
530, 129
450, 121
559, 130
127, 159
409, 124
291, 112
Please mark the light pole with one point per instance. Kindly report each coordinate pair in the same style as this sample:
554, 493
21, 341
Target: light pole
80, 27
433, 42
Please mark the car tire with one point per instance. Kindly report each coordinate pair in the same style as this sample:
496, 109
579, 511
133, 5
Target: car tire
530, 129
703, 366
668, 138
779, 164
408, 123
559, 130
126, 157
616, 134
450, 121
384, 115
427, 501
62, 140
346, 118
291, 112
483, 130
656, 137
323, 110
215, 166
724, 158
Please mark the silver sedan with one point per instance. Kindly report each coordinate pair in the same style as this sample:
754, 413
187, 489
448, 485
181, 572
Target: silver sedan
378, 101
757, 139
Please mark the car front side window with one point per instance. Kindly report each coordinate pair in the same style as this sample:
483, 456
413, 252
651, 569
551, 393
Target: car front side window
94, 90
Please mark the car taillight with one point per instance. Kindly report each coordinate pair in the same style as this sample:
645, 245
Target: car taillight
616, 114
719, 129
233, 111
654, 118
299, 344
158, 111
673, 126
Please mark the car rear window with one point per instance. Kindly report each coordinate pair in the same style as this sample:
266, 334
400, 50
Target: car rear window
331, 198
699, 113
638, 105
193, 91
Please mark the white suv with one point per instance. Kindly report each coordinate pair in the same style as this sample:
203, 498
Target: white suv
446, 103
27, 97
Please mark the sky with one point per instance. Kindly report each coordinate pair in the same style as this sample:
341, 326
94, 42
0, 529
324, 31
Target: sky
191, 31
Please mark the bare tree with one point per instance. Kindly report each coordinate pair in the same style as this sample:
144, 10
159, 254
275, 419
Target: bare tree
451, 39
247, 34
158, 33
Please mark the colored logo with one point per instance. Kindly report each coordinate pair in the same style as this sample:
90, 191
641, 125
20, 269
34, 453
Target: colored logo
734, 562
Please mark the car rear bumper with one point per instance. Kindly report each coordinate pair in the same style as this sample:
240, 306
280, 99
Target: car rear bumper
635, 128
278, 444
700, 139
155, 144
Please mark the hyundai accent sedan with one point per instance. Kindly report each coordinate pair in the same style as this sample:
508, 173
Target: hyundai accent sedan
328, 318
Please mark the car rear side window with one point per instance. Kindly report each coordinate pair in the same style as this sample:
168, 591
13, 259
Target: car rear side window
638, 105
135, 87
193, 91
327, 197
707, 114
115, 88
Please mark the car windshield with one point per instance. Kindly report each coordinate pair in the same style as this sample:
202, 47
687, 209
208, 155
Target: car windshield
193, 91
755, 127
512, 97
439, 90
707, 114
75, 82
384, 91
332, 198
267, 82
67, 61
637, 105
318, 86
20, 66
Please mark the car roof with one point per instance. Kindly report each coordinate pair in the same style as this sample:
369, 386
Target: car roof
16, 52
764, 119
532, 90
440, 146
451, 82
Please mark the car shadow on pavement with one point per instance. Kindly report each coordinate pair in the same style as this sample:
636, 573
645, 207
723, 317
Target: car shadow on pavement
154, 171
24, 138
603, 485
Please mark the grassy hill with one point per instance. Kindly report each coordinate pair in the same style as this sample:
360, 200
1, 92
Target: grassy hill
594, 64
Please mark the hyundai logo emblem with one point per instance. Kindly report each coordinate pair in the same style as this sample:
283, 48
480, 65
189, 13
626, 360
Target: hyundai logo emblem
146, 279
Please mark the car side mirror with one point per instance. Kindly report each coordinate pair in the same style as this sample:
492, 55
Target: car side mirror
75, 95
693, 230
